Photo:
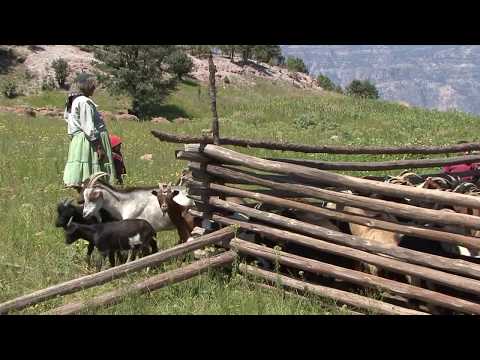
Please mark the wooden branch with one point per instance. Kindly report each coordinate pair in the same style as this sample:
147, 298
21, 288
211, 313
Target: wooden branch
453, 281
355, 277
460, 267
424, 176
325, 149
213, 96
402, 210
422, 232
329, 178
271, 288
340, 296
102, 277
380, 165
151, 284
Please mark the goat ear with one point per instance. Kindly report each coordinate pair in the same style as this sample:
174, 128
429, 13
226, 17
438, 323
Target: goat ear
95, 195
155, 192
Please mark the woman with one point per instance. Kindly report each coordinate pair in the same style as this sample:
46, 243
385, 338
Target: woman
90, 149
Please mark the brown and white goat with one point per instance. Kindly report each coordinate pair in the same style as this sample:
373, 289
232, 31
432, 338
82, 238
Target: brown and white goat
180, 217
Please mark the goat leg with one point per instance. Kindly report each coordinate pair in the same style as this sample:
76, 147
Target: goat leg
111, 258
153, 245
90, 248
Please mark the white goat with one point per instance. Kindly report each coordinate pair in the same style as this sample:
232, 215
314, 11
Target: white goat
135, 203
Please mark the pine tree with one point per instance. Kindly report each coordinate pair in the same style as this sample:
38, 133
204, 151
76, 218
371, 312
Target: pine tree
140, 71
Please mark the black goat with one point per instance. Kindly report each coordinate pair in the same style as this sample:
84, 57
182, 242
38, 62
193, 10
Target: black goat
108, 238
66, 210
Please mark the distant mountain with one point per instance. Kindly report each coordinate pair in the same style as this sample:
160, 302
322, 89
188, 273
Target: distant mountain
432, 76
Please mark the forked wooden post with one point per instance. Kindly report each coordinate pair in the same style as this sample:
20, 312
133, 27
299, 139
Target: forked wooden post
213, 96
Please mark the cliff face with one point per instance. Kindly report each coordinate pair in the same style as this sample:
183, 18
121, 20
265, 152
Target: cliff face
432, 76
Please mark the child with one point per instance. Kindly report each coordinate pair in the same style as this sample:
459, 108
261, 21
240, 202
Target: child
116, 143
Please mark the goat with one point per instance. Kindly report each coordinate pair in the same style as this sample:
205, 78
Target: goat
111, 237
67, 211
184, 222
130, 203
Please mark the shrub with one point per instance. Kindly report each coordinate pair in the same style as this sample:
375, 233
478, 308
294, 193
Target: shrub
48, 83
326, 83
179, 64
296, 64
305, 121
10, 89
364, 89
62, 70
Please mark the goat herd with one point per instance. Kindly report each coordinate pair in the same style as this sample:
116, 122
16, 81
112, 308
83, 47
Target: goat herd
117, 221
122, 222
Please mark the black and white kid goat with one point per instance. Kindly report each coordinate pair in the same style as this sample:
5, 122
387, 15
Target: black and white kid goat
111, 237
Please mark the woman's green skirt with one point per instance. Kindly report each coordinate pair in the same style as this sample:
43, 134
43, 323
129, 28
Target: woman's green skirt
83, 160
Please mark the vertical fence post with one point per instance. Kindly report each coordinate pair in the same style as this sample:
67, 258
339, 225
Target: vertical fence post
213, 97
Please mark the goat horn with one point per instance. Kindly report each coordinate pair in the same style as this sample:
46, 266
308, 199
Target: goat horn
70, 221
94, 178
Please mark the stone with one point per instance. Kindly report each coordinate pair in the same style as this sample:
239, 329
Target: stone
148, 157
127, 117
160, 120
181, 120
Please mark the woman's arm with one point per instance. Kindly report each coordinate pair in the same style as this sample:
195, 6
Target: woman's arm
87, 114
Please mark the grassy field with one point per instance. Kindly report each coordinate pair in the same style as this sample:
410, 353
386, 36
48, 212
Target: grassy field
33, 152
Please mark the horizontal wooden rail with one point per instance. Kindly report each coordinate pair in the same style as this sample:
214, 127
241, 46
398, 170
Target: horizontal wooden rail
362, 202
453, 281
355, 277
102, 277
148, 285
421, 232
380, 165
340, 296
362, 185
326, 149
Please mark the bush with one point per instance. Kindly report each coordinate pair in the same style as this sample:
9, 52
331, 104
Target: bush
179, 64
326, 83
48, 83
296, 64
364, 89
10, 89
62, 70
305, 121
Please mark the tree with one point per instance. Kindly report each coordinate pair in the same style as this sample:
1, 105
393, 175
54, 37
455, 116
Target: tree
140, 71
228, 50
179, 64
265, 53
197, 50
325, 82
364, 89
62, 70
296, 64
246, 52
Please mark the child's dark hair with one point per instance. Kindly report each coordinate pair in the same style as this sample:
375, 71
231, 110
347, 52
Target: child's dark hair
70, 99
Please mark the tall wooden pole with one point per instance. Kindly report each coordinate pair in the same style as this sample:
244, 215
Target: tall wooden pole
213, 97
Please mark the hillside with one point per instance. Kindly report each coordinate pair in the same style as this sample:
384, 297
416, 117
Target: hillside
39, 57
430, 76
33, 152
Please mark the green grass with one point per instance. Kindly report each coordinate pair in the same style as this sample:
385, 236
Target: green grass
33, 152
